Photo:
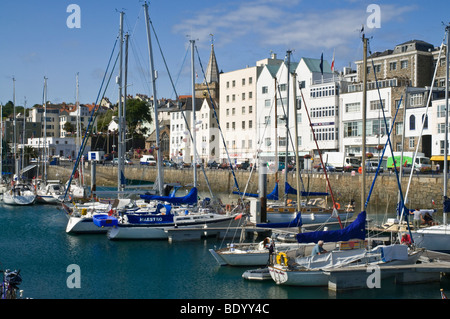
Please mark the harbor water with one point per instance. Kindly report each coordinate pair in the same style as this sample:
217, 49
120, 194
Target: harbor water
33, 239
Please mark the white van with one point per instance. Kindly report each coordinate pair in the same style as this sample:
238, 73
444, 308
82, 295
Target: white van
147, 160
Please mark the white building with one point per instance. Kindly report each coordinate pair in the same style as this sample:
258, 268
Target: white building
352, 124
319, 104
238, 111
57, 146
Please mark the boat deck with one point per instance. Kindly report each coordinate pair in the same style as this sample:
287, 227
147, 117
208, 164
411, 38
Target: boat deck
433, 265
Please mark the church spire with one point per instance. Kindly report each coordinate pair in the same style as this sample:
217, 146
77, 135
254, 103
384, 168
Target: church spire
212, 71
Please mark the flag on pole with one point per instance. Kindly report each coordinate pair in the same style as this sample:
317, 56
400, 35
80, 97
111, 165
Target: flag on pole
321, 63
332, 63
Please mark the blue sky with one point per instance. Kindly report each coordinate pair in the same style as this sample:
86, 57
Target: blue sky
36, 42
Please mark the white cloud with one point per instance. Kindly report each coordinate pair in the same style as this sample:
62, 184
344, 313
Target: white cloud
295, 25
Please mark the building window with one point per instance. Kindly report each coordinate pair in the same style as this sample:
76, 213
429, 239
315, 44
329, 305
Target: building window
376, 105
442, 144
425, 121
441, 111
265, 90
441, 128
411, 142
404, 64
352, 107
250, 109
416, 100
243, 125
399, 128
250, 80
412, 122
267, 103
243, 110
250, 124
393, 66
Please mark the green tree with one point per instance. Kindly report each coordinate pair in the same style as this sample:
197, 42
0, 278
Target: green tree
69, 127
137, 111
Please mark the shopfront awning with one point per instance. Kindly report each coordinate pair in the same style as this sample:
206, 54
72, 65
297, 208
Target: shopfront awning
439, 158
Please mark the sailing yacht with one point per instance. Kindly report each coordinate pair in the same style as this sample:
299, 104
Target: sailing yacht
167, 212
312, 270
350, 252
437, 237
51, 192
20, 192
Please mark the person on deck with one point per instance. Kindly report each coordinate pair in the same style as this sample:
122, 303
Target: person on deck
417, 217
318, 249
428, 220
406, 239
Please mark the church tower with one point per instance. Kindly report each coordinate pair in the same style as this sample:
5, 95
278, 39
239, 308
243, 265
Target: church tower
211, 80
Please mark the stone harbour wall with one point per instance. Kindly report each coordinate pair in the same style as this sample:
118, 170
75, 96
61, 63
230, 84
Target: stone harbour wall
384, 196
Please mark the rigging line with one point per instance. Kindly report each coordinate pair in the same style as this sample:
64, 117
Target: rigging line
143, 75
290, 136
89, 123
320, 157
424, 118
181, 69
382, 155
218, 124
162, 54
402, 201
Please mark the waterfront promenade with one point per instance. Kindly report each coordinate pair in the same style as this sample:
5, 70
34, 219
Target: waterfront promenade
423, 190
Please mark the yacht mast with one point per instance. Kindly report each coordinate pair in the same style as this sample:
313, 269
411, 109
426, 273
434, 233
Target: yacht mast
119, 82
363, 144
287, 122
194, 118
447, 29
16, 168
159, 178
45, 130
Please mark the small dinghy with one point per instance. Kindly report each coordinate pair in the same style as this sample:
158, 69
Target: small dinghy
257, 274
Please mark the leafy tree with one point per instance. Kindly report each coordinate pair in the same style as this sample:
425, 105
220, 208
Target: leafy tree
137, 111
69, 127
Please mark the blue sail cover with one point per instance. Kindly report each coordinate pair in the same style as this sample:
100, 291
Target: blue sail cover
274, 194
288, 189
189, 199
271, 196
296, 222
356, 230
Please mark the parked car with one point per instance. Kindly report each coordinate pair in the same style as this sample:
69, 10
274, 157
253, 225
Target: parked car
147, 160
224, 165
243, 165
406, 169
212, 164
126, 161
371, 167
329, 167
169, 164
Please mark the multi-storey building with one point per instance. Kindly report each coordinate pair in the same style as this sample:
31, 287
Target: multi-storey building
238, 111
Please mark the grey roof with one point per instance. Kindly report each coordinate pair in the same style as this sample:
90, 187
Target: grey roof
212, 71
314, 65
